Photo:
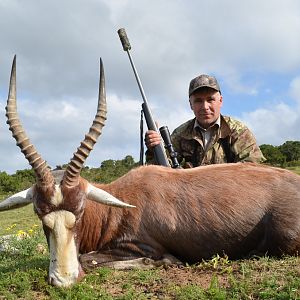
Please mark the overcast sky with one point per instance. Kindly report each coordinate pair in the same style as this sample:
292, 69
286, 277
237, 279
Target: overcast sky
251, 46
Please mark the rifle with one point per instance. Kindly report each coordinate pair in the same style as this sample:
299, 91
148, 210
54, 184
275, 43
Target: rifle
159, 153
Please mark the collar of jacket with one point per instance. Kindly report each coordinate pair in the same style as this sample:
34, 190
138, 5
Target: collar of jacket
223, 132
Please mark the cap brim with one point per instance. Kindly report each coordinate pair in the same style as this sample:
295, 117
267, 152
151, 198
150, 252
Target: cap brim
200, 87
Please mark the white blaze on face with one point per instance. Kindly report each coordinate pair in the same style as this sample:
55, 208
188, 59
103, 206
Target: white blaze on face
64, 265
57, 198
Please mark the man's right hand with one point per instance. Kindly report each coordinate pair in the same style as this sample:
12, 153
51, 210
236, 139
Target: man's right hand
152, 138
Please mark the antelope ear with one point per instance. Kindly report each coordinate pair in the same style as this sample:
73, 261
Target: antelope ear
103, 197
17, 200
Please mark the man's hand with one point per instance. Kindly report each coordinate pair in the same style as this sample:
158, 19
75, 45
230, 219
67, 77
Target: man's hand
152, 138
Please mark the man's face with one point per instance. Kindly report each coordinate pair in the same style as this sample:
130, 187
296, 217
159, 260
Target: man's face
206, 104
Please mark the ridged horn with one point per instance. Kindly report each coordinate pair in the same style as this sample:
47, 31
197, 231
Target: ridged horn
71, 177
43, 173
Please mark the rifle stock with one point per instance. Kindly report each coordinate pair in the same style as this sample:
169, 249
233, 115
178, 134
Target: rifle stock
159, 152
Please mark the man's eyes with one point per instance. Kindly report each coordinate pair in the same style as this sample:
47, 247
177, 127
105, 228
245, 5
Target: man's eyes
202, 101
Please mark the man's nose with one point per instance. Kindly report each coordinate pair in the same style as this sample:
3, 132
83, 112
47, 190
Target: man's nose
205, 105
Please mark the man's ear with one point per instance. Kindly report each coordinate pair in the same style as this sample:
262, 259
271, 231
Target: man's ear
191, 106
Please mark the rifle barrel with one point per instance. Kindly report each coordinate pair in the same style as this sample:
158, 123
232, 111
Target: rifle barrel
159, 152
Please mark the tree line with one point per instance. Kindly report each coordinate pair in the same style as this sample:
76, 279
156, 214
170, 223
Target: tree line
285, 155
108, 171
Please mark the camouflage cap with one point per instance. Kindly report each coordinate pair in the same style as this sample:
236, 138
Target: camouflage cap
203, 81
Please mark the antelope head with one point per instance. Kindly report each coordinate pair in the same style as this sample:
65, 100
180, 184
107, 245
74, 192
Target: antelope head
59, 203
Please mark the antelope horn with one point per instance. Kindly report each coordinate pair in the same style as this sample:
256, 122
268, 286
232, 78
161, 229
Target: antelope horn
17, 200
71, 177
43, 173
98, 195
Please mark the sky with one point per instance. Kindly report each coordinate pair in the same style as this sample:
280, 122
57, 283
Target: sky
252, 47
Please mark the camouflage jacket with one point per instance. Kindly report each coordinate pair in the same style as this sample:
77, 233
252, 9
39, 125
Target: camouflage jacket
231, 142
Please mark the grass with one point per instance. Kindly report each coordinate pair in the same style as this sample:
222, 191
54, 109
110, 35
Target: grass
23, 275
20, 219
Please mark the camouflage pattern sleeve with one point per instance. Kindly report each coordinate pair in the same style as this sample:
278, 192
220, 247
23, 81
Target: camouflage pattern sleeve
175, 137
244, 143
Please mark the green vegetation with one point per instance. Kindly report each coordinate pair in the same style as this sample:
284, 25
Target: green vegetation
108, 171
23, 275
285, 155
21, 180
18, 219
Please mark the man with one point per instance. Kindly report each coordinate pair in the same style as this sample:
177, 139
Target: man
209, 138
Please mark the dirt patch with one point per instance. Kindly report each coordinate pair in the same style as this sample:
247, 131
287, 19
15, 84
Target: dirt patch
163, 279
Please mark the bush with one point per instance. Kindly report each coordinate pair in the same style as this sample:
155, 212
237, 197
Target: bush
7, 183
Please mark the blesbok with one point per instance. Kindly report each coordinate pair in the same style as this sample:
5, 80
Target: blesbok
168, 215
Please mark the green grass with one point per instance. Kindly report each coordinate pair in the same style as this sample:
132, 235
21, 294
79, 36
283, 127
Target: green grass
23, 275
18, 219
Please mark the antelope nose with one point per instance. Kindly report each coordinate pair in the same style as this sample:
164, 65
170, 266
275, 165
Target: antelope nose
53, 281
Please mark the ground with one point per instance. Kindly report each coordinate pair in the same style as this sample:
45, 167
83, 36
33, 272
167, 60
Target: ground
159, 283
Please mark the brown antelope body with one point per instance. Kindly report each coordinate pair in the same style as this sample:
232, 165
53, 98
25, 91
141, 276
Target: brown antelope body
178, 215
